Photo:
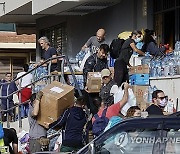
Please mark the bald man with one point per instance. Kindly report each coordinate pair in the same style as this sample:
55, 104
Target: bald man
94, 42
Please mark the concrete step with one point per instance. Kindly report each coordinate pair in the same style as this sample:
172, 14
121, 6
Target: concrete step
15, 125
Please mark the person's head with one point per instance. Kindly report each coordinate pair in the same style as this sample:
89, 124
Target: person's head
8, 76
44, 43
103, 51
97, 101
106, 76
12, 129
26, 67
159, 98
133, 111
136, 36
100, 34
81, 101
149, 36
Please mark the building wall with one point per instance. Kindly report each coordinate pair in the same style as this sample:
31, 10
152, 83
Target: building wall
125, 16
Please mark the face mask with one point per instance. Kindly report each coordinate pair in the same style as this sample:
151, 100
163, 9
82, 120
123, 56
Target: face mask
137, 40
163, 103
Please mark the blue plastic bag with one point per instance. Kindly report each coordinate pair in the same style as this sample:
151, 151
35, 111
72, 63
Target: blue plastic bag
1, 131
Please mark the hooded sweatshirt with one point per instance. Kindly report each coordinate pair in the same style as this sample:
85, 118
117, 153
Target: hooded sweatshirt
72, 121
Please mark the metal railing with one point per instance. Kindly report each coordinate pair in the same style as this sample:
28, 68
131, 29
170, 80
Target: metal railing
32, 84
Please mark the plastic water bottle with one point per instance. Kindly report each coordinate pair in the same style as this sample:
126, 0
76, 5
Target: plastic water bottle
152, 69
147, 59
165, 66
158, 68
150, 91
172, 67
154, 88
177, 49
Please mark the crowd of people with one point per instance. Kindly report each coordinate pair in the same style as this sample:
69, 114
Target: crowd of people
75, 122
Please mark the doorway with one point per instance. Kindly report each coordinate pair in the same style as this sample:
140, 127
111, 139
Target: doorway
169, 28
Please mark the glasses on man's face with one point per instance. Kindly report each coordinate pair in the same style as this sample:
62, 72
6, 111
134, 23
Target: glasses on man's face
138, 36
164, 97
105, 77
8, 76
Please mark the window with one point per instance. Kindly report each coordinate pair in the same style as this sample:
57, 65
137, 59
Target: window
7, 27
149, 141
57, 36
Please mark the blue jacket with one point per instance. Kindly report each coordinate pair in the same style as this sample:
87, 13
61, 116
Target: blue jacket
12, 88
72, 121
153, 49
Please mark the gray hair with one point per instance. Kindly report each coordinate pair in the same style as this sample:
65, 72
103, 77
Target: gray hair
45, 39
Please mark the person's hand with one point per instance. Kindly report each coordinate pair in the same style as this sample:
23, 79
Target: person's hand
166, 46
39, 95
126, 85
46, 124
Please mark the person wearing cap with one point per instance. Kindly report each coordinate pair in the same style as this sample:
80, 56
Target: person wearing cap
107, 82
114, 109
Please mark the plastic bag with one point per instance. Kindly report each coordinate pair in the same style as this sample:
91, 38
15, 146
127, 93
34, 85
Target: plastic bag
131, 99
1, 131
84, 60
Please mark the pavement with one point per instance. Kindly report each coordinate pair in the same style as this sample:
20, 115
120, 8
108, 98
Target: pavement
15, 125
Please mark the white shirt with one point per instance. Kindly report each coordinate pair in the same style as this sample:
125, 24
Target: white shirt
25, 80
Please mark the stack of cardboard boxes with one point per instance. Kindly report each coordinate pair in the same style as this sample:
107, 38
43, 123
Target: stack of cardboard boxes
139, 79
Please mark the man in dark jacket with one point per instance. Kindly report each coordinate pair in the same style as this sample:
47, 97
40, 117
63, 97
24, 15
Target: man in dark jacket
159, 102
72, 121
96, 62
7, 89
108, 82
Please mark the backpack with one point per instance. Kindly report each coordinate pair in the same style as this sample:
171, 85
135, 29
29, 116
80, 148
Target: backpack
100, 123
115, 47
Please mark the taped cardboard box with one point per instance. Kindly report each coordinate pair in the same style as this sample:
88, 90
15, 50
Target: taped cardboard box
140, 69
93, 82
139, 92
57, 97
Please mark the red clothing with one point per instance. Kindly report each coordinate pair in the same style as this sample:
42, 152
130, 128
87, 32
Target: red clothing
25, 94
112, 110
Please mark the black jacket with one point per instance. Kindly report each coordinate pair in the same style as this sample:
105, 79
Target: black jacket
105, 95
94, 64
72, 121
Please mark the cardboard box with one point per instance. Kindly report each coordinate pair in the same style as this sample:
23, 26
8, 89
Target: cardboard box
94, 82
57, 97
139, 92
140, 69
